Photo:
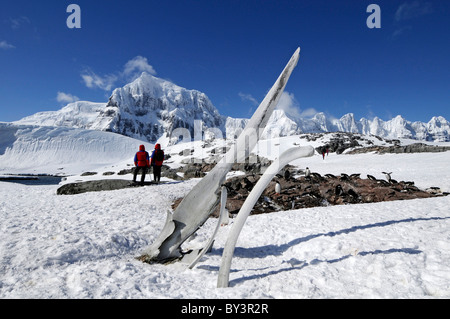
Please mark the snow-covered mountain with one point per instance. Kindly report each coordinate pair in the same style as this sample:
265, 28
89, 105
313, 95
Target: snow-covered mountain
81, 114
281, 124
437, 129
148, 108
151, 108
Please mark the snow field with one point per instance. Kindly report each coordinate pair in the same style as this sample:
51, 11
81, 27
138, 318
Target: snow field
84, 246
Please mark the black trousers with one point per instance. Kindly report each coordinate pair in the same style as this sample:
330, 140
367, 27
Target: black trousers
144, 171
156, 173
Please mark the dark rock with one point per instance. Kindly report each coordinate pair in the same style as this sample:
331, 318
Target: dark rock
93, 186
317, 191
398, 149
168, 172
126, 171
88, 173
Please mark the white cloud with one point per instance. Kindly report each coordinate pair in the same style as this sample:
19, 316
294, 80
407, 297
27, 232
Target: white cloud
92, 80
66, 98
289, 104
5, 45
310, 112
401, 31
19, 22
136, 66
131, 70
411, 10
248, 97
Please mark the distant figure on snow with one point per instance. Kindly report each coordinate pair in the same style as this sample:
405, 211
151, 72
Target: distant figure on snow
142, 162
156, 162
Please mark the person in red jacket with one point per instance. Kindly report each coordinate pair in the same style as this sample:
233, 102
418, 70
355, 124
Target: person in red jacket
142, 162
156, 162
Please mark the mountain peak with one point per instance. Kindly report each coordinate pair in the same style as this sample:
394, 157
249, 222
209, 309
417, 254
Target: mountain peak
147, 84
148, 80
149, 108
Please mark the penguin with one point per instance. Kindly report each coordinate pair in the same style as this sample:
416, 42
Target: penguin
307, 172
277, 188
352, 193
371, 177
382, 182
434, 190
287, 174
388, 176
313, 195
338, 190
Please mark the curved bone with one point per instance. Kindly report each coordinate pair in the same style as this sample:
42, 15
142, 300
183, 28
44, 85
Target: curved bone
244, 212
223, 212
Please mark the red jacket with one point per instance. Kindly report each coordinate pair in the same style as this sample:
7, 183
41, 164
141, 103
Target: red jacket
157, 156
142, 158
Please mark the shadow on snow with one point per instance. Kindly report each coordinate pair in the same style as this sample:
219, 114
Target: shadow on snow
277, 250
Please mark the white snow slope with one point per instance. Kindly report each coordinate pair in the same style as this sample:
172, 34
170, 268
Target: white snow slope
29, 149
85, 246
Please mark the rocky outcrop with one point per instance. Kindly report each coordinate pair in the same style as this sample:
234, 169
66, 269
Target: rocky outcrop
397, 149
317, 190
354, 143
339, 142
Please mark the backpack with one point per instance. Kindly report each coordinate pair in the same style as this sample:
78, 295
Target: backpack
159, 155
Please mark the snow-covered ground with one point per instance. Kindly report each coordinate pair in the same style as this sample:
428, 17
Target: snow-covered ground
85, 246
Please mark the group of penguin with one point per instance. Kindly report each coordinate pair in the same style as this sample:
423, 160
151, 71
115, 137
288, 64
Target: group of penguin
343, 177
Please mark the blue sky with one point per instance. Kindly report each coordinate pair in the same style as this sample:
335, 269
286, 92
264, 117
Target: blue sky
233, 51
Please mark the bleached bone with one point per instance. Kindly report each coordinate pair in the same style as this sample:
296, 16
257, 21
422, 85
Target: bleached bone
285, 158
222, 215
201, 201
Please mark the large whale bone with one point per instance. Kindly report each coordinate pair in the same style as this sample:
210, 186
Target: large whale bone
201, 201
223, 215
285, 158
